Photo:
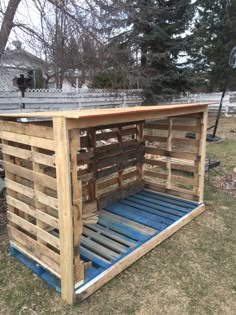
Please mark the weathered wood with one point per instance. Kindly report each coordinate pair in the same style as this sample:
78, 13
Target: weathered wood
174, 154
43, 255
29, 140
65, 207
41, 179
40, 131
77, 205
128, 190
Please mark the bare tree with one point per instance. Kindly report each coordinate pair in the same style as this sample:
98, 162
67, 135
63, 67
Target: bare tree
7, 23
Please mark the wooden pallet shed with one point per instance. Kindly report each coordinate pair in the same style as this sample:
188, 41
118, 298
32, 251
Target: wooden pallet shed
89, 192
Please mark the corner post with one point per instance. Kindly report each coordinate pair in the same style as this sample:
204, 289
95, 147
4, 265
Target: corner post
63, 174
202, 153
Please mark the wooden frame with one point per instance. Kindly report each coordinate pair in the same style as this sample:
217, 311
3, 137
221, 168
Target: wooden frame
61, 172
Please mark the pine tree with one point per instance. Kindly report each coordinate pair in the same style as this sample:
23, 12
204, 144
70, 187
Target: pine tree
212, 40
155, 30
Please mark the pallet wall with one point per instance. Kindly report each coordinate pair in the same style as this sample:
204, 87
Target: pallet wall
110, 163
173, 163
29, 162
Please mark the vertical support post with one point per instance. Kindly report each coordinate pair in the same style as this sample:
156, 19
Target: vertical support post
120, 173
92, 146
168, 159
62, 151
77, 204
139, 133
202, 154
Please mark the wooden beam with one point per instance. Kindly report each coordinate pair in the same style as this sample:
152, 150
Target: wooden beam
202, 153
77, 205
65, 207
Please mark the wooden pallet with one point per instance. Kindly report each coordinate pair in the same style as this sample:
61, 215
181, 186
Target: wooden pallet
124, 232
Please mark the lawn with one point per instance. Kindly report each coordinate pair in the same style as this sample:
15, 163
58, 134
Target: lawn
192, 272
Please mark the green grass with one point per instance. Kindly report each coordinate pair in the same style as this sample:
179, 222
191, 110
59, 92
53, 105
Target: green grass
193, 272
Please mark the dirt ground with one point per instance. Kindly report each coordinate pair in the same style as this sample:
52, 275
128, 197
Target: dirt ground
193, 272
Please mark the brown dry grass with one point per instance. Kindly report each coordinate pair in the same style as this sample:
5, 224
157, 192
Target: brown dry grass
193, 272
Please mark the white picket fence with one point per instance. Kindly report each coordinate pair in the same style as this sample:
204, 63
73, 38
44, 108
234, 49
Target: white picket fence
44, 100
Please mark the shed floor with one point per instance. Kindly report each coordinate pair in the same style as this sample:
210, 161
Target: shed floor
121, 229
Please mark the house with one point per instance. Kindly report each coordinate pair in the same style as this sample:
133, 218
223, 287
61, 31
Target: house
19, 61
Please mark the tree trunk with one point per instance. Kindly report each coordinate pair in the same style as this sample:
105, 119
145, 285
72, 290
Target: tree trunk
7, 23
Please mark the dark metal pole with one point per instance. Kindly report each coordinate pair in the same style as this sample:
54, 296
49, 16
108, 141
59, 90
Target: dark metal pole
221, 104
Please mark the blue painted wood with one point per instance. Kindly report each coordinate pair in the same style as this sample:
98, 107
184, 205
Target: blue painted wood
159, 205
41, 272
95, 258
170, 216
171, 199
134, 234
137, 216
115, 236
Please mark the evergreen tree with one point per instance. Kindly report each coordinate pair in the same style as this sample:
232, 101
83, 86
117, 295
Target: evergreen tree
155, 31
212, 40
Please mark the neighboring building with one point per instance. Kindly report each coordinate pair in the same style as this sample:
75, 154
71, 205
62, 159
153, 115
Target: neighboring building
15, 62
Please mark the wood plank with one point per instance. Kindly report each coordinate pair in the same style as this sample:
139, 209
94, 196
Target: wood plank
202, 152
41, 179
21, 206
77, 204
65, 207
155, 138
27, 129
83, 292
143, 229
48, 238
42, 254
29, 140
170, 153
21, 189
127, 190
155, 174
46, 200
46, 218
24, 224
183, 180
184, 128
172, 191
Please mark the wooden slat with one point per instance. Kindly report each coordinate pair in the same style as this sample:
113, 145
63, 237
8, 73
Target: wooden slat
21, 189
155, 138
183, 193
29, 140
175, 127
41, 158
168, 153
155, 174
40, 179
27, 129
43, 255
46, 200
21, 206
24, 224
110, 198
46, 218
48, 238
183, 180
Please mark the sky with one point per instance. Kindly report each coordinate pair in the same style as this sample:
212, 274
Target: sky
27, 14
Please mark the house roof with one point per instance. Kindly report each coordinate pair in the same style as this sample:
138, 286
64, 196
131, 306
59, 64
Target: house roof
10, 53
